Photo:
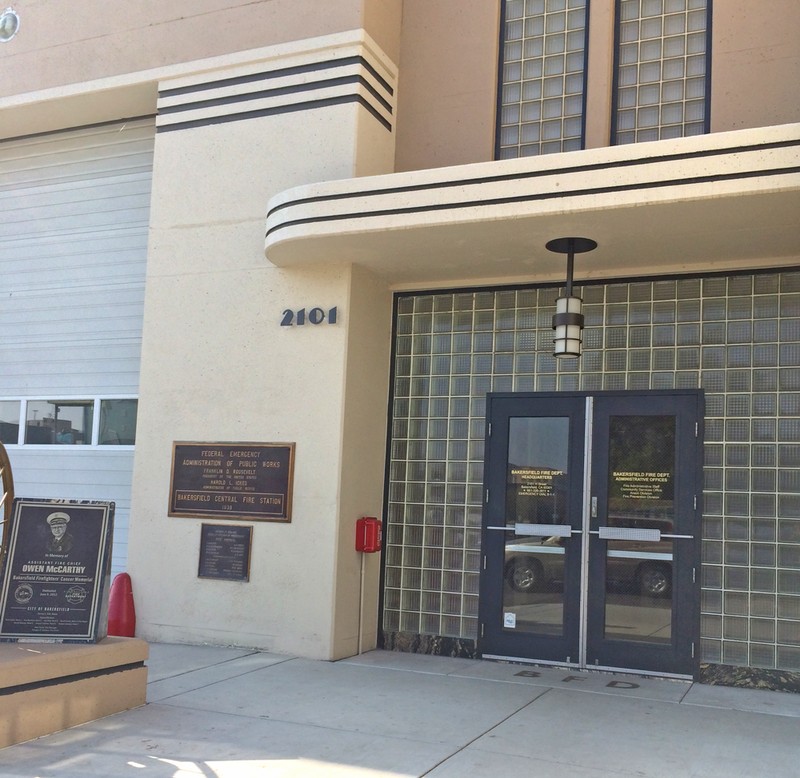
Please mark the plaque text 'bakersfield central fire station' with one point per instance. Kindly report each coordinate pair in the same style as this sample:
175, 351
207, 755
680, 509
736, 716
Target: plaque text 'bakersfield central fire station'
232, 480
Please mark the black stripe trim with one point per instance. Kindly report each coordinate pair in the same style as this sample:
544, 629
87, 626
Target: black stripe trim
64, 679
535, 174
534, 197
307, 106
560, 319
583, 283
278, 91
78, 128
281, 73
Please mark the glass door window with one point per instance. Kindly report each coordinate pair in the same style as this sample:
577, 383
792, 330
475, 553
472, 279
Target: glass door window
641, 506
590, 539
537, 524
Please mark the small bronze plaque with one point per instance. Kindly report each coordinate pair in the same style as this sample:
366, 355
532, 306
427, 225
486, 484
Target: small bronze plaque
232, 480
225, 552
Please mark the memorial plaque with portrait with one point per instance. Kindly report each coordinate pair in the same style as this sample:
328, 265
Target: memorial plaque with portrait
57, 571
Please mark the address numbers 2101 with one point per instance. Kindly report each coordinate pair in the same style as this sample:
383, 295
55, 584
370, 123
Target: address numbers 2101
302, 316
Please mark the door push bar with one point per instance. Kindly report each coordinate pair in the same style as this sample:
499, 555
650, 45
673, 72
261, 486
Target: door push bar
546, 530
627, 533
604, 533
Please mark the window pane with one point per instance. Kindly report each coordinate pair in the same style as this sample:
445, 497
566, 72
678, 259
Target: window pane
64, 422
118, 422
661, 44
9, 421
542, 41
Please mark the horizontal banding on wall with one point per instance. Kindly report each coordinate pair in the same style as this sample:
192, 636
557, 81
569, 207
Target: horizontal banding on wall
276, 90
706, 201
567, 181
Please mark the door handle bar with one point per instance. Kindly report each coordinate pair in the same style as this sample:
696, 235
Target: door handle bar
604, 533
629, 533
547, 530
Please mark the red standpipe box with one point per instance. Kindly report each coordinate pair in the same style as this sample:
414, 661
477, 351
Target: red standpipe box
368, 534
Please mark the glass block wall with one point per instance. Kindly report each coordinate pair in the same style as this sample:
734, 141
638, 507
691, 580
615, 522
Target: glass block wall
542, 87
661, 69
738, 337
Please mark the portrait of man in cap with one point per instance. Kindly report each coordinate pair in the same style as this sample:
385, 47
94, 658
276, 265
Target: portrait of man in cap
61, 541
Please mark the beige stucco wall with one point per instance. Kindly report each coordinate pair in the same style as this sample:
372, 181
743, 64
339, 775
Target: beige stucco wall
365, 397
75, 65
217, 366
62, 43
755, 76
447, 56
448, 82
599, 74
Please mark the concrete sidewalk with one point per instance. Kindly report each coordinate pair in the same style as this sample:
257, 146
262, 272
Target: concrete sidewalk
220, 713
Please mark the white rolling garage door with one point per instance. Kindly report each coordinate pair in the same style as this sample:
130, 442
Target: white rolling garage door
74, 212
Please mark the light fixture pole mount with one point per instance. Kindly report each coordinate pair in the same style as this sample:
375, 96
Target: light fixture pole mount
571, 245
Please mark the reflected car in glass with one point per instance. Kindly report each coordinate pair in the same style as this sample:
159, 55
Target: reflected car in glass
533, 563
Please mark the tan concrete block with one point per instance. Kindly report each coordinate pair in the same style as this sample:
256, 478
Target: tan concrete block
31, 713
24, 663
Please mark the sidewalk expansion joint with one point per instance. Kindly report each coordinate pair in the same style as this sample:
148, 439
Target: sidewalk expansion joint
486, 732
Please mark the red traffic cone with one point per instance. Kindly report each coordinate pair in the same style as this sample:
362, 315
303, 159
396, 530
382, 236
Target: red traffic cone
121, 613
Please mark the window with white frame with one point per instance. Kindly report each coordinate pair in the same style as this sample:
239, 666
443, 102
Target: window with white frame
9, 421
117, 422
69, 421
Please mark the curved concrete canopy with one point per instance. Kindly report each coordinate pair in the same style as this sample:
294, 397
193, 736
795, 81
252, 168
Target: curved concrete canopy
691, 205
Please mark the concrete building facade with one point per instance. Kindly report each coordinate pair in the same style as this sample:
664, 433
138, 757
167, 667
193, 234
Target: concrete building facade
327, 225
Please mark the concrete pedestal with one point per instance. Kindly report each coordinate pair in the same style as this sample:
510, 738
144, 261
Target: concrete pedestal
47, 687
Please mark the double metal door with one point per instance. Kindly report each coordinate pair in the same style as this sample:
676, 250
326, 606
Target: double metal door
591, 529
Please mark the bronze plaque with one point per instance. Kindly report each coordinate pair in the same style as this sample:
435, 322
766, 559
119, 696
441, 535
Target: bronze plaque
232, 480
56, 578
225, 552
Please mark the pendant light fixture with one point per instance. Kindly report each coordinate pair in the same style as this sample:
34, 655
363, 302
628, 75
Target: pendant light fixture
568, 319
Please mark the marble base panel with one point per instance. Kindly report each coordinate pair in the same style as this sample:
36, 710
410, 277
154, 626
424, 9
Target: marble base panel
436, 645
749, 677
710, 674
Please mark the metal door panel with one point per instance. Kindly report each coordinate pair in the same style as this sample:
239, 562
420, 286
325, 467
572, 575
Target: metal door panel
591, 529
